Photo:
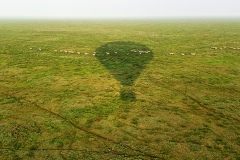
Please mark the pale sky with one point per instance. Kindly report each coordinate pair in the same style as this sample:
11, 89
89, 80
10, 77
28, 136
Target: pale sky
118, 8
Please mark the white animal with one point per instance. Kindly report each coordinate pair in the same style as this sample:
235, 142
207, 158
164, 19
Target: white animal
70, 51
171, 53
193, 54
30, 48
86, 53
182, 54
39, 49
213, 47
107, 53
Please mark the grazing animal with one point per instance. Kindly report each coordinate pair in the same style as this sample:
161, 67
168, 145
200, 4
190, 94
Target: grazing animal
107, 53
182, 54
144, 51
213, 47
39, 49
171, 53
30, 48
86, 53
78, 52
193, 54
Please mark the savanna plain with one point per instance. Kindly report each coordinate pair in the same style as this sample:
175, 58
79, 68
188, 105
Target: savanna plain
120, 89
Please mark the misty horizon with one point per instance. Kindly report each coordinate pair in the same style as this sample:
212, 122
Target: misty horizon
115, 9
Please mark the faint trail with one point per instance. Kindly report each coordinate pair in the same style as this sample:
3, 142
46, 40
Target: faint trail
83, 151
160, 84
21, 100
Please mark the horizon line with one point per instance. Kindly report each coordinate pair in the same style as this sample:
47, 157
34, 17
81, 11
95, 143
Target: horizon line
122, 18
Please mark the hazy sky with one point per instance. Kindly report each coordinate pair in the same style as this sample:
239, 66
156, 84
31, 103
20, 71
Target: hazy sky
118, 8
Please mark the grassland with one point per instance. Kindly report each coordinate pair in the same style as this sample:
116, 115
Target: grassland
57, 105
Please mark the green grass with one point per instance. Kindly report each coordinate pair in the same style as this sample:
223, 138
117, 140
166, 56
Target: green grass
56, 105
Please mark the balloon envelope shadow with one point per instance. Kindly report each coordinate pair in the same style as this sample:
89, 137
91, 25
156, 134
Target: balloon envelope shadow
125, 61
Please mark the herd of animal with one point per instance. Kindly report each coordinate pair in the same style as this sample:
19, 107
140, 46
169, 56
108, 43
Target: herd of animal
138, 51
94, 53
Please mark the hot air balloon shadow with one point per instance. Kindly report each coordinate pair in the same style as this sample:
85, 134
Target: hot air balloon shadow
125, 61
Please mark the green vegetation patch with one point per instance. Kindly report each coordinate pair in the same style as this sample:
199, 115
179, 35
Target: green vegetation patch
154, 89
